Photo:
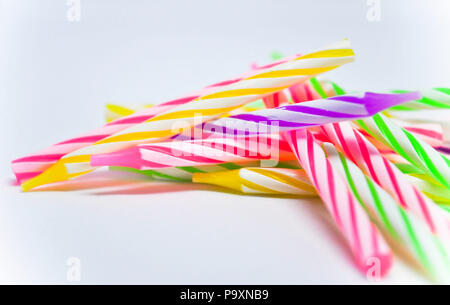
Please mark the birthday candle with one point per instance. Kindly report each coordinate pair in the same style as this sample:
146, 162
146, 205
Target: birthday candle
364, 239
308, 114
436, 98
398, 222
144, 156
409, 147
268, 181
358, 149
432, 134
197, 152
204, 108
31, 166
429, 133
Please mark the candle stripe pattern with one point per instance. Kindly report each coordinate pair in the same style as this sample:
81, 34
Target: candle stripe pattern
417, 152
398, 222
364, 239
436, 98
385, 174
432, 134
267, 181
31, 166
308, 114
116, 111
197, 152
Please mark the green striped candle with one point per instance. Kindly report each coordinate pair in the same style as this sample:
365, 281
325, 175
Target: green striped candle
406, 228
414, 150
435, 98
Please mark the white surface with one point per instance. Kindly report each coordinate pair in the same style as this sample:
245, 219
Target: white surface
55, 77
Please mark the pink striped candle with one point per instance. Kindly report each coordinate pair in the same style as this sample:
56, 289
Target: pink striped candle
365, 241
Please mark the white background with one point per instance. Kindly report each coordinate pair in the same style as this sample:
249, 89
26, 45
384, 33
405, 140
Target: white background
56, 76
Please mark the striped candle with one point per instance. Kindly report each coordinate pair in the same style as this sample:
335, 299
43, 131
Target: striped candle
409, 147
267, 181
364, 239
402, 225
435, 98
358, 149
308, 114
197, 152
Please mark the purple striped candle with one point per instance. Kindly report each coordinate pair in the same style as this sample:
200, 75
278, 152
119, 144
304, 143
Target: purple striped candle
307, 114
